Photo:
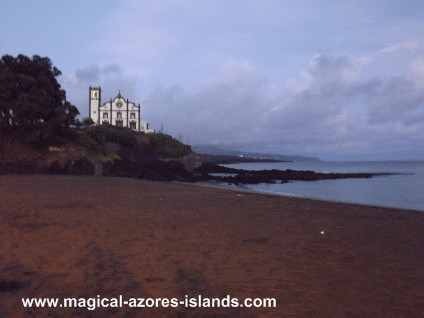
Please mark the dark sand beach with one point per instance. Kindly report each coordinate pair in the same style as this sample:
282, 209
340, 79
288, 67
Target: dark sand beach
66, 236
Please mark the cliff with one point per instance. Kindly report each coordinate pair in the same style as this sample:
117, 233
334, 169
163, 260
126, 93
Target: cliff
120, 152
99, 150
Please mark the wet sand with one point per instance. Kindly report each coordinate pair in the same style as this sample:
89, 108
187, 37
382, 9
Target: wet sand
64, 236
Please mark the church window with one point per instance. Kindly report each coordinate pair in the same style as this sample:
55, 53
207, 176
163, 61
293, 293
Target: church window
119, 123
119, 115
133, 125
132, 116
105, 115
119, 104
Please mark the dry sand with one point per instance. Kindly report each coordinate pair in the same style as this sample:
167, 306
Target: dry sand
63, 236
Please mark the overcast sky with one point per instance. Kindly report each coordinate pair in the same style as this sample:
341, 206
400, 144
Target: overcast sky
341, 80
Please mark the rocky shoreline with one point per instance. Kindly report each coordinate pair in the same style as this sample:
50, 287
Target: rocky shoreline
273, 176
158, 170
107, 151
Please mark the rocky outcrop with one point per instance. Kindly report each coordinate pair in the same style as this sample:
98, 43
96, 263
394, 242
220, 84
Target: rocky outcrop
80, 167
272, 176
141, 152
155, 170
191, 161
19, 167
140, 161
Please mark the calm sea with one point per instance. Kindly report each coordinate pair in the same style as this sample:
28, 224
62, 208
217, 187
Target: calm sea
398, 191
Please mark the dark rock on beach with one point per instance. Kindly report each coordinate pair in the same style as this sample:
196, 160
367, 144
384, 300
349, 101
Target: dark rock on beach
272, 176
18, 167
82, 167
153, 170
172, 170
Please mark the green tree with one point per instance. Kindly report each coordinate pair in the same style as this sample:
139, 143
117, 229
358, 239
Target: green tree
31, 97
77, 123
87, 121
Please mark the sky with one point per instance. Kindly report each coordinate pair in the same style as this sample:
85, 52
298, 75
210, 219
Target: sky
338, 80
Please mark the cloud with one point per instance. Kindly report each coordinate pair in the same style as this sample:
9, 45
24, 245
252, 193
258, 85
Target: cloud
334, 108
143, 36
110, 77
331, 108
94, 72
395, 97
227, 107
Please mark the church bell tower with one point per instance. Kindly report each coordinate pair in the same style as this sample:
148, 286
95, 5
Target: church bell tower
94, 103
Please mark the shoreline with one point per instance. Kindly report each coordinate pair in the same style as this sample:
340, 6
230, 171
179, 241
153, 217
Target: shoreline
246, 189
88, 236
220, 185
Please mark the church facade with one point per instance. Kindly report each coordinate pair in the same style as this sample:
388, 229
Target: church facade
117, 112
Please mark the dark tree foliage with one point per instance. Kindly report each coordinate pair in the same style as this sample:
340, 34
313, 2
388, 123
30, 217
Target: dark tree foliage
31, 98
87, 121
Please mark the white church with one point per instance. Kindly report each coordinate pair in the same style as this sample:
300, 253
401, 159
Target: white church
118, 112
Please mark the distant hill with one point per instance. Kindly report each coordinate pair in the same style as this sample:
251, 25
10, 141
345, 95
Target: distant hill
216, 150
224, 159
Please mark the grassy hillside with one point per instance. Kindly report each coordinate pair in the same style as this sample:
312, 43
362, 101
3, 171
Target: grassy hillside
166, 146
95, 138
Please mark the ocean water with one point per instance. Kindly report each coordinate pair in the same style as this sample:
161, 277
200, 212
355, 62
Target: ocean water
405, 191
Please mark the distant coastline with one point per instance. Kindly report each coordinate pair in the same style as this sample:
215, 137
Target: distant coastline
224, 159
234, 152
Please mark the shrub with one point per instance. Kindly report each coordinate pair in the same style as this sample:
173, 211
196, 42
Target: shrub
167, 147
87, 121
114, 156
87, 141
122, 137
164, 146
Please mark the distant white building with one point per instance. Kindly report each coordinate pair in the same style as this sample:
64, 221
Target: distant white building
117, 112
